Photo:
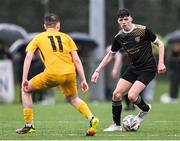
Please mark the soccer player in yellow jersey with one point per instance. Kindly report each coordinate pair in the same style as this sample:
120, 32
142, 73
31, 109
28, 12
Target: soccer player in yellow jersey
59, 54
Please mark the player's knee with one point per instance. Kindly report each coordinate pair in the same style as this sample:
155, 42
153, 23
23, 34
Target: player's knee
117, 95
132, 97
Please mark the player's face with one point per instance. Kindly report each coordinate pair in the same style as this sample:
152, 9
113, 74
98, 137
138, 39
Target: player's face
125, 23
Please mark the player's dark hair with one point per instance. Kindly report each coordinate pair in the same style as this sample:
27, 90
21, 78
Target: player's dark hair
123, 13
51, 19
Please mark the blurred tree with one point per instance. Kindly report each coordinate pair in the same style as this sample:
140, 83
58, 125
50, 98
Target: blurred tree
161, 16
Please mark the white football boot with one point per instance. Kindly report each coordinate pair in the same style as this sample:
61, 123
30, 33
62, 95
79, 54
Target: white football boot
113, 127
141, 115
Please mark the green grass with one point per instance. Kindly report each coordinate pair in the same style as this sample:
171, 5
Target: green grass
160, 88
63, 122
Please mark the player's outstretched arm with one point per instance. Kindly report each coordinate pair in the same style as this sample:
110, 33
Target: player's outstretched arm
80, 70
26, 66
117, 64
103, 63
161, 65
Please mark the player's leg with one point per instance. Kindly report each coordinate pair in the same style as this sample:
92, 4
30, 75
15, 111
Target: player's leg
27, 111
134, 97
143, 80
83, 108
70, 91
129, 105
80, 106
34, 84
122, 88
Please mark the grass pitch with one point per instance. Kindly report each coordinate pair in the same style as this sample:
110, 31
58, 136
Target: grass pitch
63, 122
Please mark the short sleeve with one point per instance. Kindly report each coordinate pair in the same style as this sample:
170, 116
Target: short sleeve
150, 35
72, 44
33, 45
115, 45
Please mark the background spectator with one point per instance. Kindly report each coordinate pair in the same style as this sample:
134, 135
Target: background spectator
173, 63
4, 54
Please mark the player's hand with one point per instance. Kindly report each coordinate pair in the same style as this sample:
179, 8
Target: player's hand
161, 68
24, 85
84, 87
95, 77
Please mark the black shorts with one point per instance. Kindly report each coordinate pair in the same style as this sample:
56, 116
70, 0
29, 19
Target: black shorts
144, 76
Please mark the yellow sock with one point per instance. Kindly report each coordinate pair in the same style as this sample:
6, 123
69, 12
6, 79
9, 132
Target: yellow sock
84, 109
28, 115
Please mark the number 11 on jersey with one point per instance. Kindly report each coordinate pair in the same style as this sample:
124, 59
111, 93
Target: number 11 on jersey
52, 40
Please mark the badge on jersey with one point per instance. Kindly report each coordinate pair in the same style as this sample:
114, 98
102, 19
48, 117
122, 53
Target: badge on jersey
137, 39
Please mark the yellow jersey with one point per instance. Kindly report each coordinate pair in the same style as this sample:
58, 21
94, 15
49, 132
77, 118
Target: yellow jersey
54, 48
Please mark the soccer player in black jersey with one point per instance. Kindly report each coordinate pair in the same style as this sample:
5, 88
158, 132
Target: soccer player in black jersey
136, 41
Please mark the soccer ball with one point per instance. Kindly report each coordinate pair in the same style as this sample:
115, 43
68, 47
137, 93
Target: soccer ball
131, 123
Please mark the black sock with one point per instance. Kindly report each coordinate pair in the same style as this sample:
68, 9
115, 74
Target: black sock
116, 111
141, 104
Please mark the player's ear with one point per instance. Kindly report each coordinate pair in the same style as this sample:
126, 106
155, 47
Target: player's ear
131, 19
58, 25
118, 20
44, 26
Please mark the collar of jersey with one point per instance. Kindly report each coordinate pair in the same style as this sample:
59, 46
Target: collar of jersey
133, 26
